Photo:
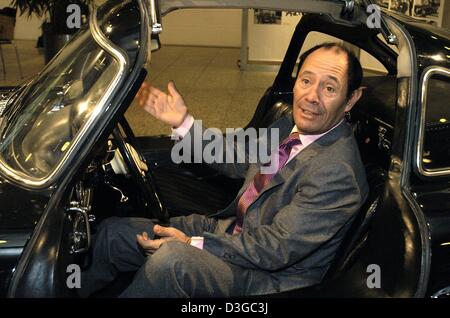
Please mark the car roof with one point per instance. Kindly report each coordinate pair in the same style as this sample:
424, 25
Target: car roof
342, 12
413, 24
332, 7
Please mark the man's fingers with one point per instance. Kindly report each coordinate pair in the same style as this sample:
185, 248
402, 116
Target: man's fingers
163, 231
147, 244
172, 89
149, 103
154, 91
144, 87
142, 239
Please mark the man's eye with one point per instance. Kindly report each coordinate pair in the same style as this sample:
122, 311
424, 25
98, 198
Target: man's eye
305, 81
330, 89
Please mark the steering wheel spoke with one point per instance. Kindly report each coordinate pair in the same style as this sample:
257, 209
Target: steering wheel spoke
139, 171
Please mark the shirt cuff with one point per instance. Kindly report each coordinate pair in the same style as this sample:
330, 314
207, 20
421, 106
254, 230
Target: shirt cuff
197, 241
183, 129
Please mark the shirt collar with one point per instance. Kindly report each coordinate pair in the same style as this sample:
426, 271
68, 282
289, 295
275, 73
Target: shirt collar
309, 139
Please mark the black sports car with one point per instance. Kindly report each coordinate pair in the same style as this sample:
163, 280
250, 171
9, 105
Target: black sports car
69, 159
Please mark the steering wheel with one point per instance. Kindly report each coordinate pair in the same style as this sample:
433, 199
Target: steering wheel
143, 178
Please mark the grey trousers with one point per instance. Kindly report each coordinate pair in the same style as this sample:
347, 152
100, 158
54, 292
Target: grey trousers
175, 270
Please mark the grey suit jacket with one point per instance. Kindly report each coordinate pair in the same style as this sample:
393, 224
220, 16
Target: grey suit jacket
294, 227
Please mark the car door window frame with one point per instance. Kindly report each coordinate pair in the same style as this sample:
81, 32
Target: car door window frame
429, 72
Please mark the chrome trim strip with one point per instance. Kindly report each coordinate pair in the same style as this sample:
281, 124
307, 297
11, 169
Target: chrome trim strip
442, 293
423, 99
380, 121
122, 58
155, 17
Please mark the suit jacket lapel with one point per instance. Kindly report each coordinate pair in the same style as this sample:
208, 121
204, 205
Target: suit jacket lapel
306, 154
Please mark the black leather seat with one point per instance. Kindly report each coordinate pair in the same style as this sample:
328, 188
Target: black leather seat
275, 112
359, 229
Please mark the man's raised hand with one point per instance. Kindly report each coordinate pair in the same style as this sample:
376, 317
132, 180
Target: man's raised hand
169, 108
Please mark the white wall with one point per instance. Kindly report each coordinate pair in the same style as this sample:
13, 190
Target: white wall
202, 27
181, 27
268, 42
368, 62
26, 28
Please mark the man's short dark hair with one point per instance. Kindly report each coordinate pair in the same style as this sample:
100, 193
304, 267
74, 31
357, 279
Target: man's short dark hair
354, 69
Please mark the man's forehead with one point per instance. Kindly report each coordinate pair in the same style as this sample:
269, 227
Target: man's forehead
336, 50
332, 60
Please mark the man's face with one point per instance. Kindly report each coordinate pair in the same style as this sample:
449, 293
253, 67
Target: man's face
320, 92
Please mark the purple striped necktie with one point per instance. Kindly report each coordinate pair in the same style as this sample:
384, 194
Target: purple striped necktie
260, 181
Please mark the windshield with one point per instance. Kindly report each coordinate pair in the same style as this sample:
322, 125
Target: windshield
41, 127
56, 107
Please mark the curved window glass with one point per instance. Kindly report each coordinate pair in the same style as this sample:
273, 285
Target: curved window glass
50, 118
39, 129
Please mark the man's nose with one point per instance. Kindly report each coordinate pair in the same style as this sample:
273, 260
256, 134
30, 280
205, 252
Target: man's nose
312, 95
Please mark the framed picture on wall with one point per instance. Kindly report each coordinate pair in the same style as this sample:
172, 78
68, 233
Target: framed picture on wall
267, 17
428, 10
402, 6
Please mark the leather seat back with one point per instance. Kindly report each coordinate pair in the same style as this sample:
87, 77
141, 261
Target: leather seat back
357, 233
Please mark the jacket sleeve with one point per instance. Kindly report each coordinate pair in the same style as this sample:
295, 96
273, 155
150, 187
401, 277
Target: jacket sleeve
212, 147
321, 206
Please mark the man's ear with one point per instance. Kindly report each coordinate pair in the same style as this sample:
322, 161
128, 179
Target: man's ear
356, 95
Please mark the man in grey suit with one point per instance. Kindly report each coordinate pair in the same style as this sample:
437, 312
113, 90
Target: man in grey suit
276, 235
